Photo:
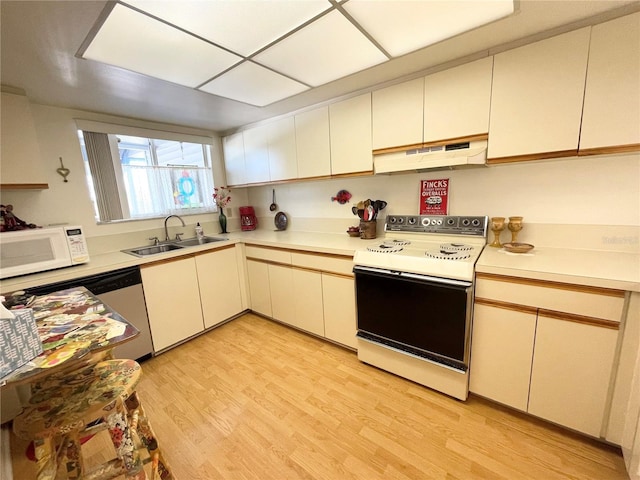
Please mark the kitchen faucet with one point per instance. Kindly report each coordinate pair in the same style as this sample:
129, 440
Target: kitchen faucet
166, 231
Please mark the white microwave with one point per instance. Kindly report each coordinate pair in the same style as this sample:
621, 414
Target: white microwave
40, 249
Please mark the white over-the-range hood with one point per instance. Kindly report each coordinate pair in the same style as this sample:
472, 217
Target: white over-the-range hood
450, 156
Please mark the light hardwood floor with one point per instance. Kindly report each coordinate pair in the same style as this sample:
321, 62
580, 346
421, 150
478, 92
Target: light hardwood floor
257, 400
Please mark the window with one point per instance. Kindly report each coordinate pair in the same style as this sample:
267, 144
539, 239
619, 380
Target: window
138, 177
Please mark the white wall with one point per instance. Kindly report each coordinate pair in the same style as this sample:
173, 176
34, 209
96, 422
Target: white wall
602, 190
70, 202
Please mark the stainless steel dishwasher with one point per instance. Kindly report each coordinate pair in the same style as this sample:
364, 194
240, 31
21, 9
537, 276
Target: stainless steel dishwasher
122, 291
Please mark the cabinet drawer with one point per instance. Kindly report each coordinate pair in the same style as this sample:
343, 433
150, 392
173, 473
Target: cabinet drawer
324, 262
266, 253
592, 302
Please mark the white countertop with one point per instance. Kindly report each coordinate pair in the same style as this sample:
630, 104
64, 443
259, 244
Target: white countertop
333, 243
607, 269
583, 267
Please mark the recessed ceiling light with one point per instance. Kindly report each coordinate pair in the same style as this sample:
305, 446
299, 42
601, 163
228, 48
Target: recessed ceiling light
325, 50
302, 43
405, 26
243, 26
134, 41
253, 84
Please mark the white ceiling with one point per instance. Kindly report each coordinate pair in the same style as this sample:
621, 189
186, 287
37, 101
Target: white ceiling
40, 39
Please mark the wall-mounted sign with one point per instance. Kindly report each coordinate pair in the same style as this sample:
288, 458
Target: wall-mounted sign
434, 197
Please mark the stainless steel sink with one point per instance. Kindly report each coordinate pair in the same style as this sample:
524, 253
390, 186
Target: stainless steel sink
167, 247
194, 242
152, 250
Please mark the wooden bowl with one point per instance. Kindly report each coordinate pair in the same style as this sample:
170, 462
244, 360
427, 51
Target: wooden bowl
517, 247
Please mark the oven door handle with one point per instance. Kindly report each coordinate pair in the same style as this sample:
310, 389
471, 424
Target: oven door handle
414, 276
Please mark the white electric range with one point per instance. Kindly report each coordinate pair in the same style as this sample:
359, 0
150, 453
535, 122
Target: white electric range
414, 295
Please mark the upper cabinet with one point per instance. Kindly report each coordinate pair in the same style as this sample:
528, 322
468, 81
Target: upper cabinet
233, 146
398, 115
256, 154
457, 102
312, 143
611, 115
536, 101
568, 95
350, 133
282, 149
21, 166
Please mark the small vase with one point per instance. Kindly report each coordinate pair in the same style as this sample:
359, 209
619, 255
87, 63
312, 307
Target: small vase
223, 222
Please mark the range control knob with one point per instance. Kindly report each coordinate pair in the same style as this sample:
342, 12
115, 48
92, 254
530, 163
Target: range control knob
392, 219
451, 221
475, 222
466, 222
426, 222
400, 220
437, 221
412, 220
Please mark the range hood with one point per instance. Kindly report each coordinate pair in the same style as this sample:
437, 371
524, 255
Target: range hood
450, 156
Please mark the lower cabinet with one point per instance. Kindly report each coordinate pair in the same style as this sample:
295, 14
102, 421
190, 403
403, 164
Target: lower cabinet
539, 356
339, 304
572, 367
172, 296
501, 354
219, 284
189, 294
307, 300
259, 289
282, 293
312, 292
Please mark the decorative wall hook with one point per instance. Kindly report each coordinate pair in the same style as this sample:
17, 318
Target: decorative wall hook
63, 171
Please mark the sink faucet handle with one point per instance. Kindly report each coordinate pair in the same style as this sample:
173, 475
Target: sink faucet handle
179, 236
155, 240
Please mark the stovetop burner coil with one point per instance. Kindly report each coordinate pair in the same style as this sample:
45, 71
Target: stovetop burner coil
448, 255
385, 248
456, 247
397, 241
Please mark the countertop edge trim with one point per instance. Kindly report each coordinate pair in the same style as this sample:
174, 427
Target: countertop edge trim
611, 292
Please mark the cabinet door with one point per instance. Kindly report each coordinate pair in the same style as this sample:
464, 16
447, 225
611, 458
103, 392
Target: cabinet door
501, 354
307, 297
611, 102
219, 282
536, 102
259, 289
256, 154
282, 301
282, 149
312, 143
457, 101
571, 373
233, 146
339, 301
21, 162
398, 114
173, 301
350, 131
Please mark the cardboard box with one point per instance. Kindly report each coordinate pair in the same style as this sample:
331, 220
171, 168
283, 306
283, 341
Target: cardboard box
19, 341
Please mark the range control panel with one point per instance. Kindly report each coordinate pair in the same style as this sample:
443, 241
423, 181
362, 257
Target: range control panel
442, 224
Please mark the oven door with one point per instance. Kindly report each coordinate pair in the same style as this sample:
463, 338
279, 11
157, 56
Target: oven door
425, 316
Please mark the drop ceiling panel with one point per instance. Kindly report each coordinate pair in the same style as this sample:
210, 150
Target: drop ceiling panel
243, 26
401, 27
134, 41
325, 50
253, 84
